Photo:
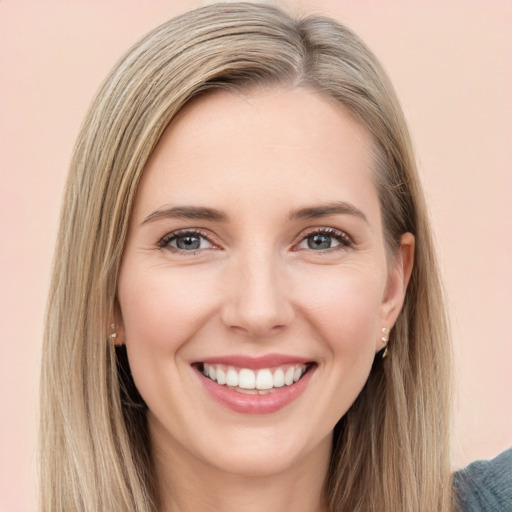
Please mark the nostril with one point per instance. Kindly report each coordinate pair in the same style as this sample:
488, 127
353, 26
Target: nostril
238, 329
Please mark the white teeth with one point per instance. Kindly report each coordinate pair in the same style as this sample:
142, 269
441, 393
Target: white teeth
288, 376
264, 380
221, 376
278, 378
254, 381
246, 379
248, 391
232, 377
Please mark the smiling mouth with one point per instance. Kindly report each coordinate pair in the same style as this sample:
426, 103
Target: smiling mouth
254, 382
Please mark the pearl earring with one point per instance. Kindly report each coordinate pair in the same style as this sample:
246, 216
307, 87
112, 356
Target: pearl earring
113, 337
385, 339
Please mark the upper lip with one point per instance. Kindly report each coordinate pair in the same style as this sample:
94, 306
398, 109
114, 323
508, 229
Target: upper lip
255, 363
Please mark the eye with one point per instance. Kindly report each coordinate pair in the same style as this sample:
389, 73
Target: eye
325, 239
186, 241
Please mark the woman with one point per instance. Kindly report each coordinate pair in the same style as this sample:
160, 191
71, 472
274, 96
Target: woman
245, 312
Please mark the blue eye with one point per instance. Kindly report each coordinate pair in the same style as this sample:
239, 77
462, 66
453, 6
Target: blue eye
319, 241
324, 239
186, 241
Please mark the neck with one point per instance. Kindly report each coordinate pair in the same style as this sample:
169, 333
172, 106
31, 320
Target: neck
187, 484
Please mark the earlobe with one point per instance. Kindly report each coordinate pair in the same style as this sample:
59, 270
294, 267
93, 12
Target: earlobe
398, 280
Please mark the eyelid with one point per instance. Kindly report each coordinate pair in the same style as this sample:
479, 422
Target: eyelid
345, 239
164, 242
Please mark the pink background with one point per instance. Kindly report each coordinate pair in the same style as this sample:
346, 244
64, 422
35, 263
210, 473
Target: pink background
451, 63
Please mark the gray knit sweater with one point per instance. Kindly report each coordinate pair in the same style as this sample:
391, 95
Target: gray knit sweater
486, 486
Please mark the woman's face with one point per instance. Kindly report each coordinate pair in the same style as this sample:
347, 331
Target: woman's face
255, 255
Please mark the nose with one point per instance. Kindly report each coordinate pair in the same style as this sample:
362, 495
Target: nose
258, 302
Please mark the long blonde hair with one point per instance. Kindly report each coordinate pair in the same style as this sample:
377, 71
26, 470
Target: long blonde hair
391, 450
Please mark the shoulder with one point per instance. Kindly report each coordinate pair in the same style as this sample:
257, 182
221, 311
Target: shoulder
486, 485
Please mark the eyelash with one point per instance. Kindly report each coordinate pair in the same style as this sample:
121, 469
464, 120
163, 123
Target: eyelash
341, 237
167, 239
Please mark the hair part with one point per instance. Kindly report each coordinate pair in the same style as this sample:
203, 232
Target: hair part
391, 449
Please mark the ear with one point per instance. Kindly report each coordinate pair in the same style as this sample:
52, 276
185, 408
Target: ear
398, 279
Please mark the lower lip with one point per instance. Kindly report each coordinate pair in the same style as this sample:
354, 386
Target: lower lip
256, 404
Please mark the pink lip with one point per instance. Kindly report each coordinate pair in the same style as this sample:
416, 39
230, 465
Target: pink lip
255, 404
255, 363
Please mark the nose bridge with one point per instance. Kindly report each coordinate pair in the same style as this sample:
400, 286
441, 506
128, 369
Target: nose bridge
259, 304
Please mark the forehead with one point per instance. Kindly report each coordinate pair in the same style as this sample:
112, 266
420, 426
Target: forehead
264, 145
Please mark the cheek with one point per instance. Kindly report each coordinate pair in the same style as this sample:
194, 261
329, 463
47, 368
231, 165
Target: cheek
344, 307
161, 309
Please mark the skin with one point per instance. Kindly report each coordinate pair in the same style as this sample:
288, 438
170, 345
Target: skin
255, 286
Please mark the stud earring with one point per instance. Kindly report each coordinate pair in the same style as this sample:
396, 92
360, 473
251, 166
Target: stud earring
385, 339
113, 337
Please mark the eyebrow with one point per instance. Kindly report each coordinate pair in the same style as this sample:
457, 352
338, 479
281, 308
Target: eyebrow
325, 210
187, 212
204, 213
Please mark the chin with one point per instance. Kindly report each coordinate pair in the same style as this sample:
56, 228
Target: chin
262, 452
256, 463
